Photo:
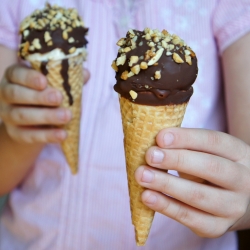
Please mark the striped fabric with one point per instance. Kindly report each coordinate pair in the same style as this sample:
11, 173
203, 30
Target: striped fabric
52, 209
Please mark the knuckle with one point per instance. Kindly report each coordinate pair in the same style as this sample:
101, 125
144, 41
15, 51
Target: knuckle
16, 115
196, 196
11, 93
239, 210
214, 167
182, 214
213, 138
166, 185
10, 71
180, 159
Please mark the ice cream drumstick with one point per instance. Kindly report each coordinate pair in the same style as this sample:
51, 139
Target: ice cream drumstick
154, 76
53, 41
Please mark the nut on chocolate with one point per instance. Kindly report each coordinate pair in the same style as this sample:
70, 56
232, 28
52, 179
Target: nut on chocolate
159, 67
43, 28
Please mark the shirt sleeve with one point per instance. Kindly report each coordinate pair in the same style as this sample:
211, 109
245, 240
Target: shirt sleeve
231, 20
9, 23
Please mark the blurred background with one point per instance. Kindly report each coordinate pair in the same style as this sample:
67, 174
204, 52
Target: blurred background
244, 236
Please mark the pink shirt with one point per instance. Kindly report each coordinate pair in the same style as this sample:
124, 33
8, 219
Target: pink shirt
52, 209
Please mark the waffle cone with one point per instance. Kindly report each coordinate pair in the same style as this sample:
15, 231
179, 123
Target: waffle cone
75, 80
141, 124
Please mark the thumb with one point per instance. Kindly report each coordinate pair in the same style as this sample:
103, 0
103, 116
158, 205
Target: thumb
86, 75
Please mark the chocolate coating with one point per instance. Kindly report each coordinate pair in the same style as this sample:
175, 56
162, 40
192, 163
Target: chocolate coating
175, 83
51, 28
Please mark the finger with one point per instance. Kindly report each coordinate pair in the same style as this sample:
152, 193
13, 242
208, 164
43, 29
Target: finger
27, 77
206, 198
36, 135
208, 141
86, 75
27, 116
203, 224
215, 169
16, 94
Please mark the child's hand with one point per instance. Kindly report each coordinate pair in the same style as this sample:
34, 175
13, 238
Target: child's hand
209, 209
30, 109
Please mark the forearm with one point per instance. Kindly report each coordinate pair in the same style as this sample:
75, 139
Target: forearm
236, 61
16, 160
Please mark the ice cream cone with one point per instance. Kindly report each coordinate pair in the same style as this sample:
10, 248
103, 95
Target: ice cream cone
141, 124
154, 76
75, 80
53, 41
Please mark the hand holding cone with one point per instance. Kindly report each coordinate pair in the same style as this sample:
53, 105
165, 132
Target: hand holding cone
53, 41
154, 73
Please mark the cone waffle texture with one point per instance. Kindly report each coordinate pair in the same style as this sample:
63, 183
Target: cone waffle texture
75, 79
141, 124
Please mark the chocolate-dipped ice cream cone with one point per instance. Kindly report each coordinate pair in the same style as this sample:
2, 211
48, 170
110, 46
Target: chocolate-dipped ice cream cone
53, 41
154, 72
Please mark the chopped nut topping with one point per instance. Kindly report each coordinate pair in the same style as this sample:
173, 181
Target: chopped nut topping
167, 39
26, 33
146, 86
147, 37
156, 57
141, 57
158, 74
192, 53
114, 66
171, 47
130, 74
136, 69
50, 43
152, 78
36, 43
188, 59
176, 41
31, 48
133, 94
127, 49
131, 33
141, 43
143, 65
133, 46
65, 35
124, 75
164, 44
26, 47
164, 32
121, 60
156, 39
187, 52
71, 40
47, 36
121, 42
135, 38
72, 50
133, 60
177, 58
169, 53
151, 44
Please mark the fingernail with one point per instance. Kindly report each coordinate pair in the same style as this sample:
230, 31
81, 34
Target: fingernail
157, 156
63, 115
147, 176
168, 139
61, 135
53, 97
39, 82
151, 199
